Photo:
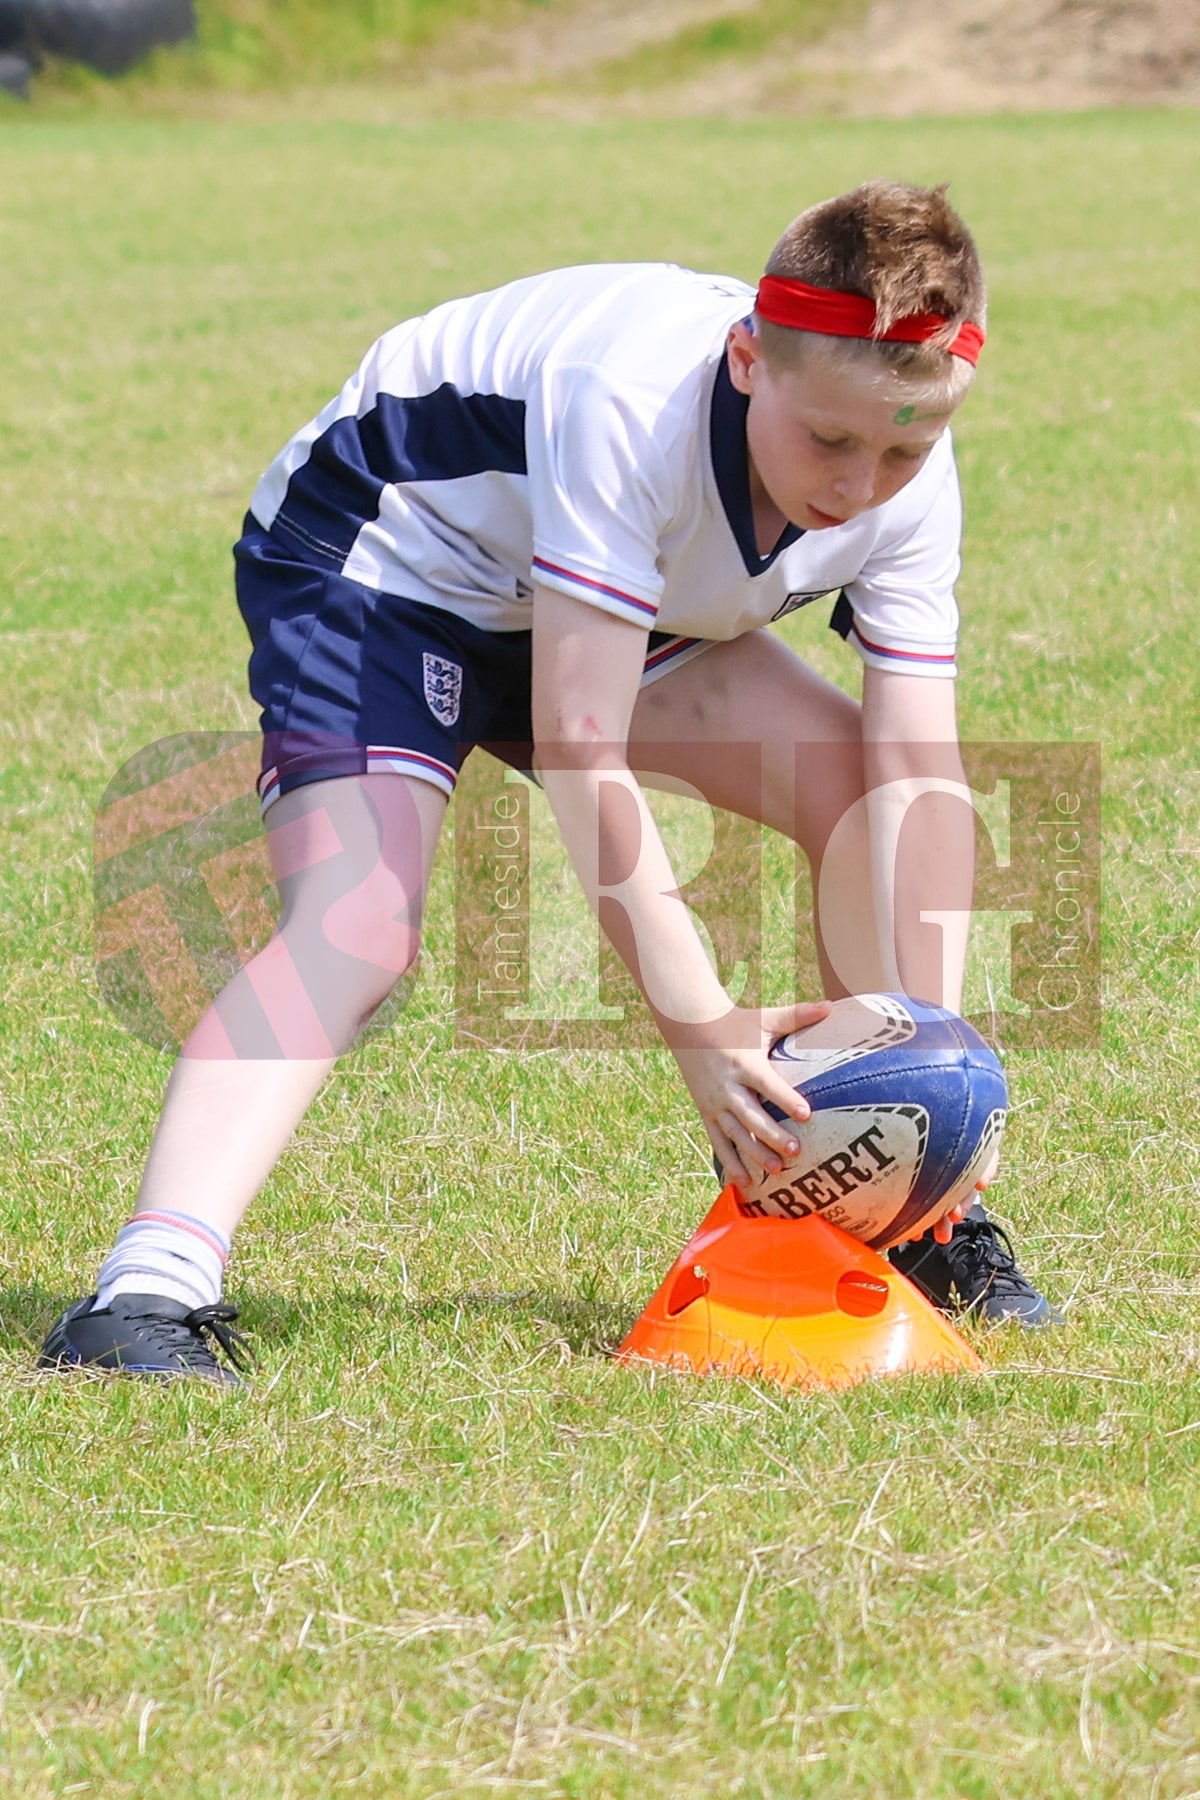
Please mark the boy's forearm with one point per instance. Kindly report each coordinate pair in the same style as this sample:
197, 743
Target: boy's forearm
623, 867
587, 667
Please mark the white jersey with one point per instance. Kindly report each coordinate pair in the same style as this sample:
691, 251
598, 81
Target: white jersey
580, 430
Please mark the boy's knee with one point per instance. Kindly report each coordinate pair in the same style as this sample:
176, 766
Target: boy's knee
386, 952
378, 922
317, 992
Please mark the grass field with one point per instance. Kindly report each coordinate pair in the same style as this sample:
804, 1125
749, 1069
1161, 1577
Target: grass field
439, 57
444, 1547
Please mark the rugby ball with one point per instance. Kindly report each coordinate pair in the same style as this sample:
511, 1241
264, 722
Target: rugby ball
908, 1108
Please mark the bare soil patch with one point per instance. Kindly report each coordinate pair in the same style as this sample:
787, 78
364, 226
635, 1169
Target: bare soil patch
893, 57
1001, 55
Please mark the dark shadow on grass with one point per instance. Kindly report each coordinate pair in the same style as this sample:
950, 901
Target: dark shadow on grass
269, 1319
589, 1326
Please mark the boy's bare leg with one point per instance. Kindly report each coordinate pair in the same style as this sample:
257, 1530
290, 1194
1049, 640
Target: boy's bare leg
222, 1130
352, 857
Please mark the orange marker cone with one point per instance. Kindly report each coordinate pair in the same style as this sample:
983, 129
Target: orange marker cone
793, 1300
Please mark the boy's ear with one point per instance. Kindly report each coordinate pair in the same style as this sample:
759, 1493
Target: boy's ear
744, 353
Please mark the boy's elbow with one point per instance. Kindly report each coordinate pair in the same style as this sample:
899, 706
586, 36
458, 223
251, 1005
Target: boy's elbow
583, 740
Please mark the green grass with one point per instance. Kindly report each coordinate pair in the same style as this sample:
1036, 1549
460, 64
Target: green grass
255, 45
444, 1546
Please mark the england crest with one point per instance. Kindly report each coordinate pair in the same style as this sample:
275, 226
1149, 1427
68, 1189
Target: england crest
443, 688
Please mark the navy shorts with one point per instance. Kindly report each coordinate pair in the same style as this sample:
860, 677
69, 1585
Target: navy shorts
353, 682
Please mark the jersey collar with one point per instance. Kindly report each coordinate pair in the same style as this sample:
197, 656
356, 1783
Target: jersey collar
731, 470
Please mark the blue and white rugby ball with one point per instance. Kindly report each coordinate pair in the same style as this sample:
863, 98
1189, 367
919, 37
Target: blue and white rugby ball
908, 1108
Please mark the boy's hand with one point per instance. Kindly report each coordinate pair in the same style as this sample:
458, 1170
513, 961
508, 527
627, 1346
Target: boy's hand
943, 1231
728, 1081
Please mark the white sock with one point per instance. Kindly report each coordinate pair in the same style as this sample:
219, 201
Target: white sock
167, 1253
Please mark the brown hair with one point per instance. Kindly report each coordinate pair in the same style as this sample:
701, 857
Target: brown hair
901, 246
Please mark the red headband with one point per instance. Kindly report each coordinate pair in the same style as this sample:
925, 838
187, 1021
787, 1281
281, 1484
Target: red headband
833, 314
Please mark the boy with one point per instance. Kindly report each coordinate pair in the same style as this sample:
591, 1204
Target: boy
561, 514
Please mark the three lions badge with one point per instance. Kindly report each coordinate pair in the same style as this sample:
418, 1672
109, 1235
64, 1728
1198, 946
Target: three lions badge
443, 688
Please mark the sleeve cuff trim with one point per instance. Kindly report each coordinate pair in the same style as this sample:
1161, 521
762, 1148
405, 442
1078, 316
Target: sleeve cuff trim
940, 659
644, 608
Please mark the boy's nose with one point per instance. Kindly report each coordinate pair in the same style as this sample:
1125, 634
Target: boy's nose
855, 483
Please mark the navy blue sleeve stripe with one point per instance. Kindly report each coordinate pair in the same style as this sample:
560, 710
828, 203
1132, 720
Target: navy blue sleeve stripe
441, 436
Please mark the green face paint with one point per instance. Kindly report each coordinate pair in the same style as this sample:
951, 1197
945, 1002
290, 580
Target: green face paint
908, 415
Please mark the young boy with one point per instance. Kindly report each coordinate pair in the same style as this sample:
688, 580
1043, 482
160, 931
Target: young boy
561, 514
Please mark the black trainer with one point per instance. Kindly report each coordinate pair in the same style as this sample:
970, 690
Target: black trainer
144, 1334
976, 1272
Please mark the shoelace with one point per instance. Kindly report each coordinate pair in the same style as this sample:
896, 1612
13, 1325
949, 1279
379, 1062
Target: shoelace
217, 1321
987, 1257
204, 1322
